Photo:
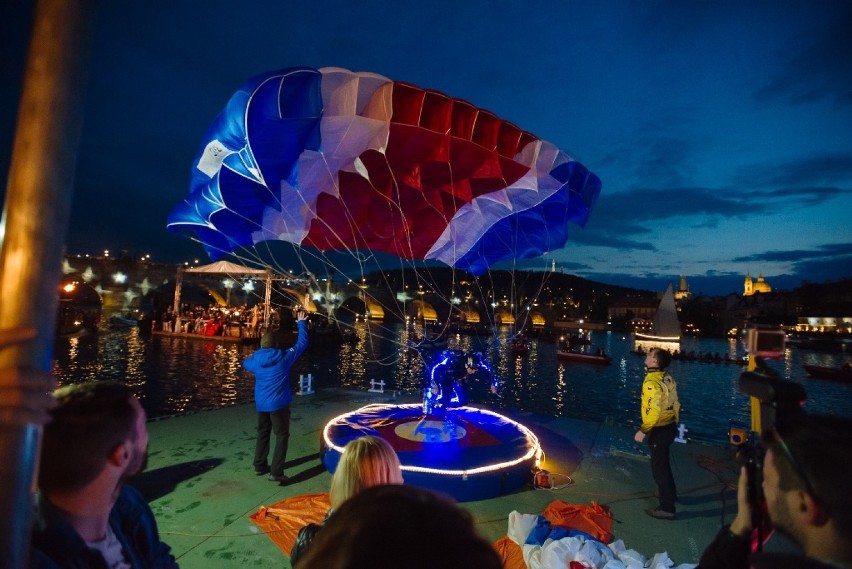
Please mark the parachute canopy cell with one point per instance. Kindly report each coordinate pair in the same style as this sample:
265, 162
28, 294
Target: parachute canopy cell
338, 160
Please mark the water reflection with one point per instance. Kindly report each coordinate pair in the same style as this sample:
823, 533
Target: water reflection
174, 375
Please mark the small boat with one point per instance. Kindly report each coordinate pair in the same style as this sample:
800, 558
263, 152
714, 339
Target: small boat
830, 373
584, 358
79, 310
519, 347
123, 321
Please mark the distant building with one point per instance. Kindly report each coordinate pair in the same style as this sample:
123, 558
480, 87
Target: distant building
838, 324
682, 292
751, 286
636, 307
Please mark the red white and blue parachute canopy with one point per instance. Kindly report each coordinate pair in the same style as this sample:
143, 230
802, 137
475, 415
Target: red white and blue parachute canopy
338, 160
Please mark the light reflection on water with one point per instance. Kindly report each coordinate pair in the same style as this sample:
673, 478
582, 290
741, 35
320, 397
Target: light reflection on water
174, 375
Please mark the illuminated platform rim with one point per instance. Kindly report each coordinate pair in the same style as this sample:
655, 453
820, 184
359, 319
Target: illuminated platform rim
468, 453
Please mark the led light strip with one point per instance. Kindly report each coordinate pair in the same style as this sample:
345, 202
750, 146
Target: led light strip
660, 338
534, 451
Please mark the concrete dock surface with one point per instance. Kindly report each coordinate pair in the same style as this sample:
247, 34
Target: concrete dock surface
202, 486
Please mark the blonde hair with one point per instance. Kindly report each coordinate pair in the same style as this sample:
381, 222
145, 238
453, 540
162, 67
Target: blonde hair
366, 461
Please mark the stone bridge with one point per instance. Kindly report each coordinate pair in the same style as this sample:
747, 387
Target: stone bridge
124, 283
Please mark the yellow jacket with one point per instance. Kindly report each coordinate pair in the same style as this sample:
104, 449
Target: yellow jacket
660, 405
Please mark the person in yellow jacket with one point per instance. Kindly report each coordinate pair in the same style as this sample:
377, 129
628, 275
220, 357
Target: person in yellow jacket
660, 414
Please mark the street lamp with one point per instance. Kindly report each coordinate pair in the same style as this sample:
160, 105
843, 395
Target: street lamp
228, 284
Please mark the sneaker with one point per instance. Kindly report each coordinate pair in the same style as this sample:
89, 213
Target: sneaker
660, 514
281, 478
262, 471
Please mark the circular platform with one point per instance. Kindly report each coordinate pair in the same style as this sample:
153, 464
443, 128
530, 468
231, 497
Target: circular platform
468, 453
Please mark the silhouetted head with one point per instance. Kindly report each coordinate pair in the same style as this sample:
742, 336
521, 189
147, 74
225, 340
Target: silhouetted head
267, 340
386, 527
90, 423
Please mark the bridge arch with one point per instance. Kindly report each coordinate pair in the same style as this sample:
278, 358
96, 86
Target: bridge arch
504, 318
537, 319
352, 307
469, 314
363, 306
421, 310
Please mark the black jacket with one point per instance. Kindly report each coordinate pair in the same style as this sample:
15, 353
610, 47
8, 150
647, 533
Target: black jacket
304, 538
729, 551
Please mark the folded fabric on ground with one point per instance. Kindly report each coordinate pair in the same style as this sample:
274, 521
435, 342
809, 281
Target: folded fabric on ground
549, 541
282, 520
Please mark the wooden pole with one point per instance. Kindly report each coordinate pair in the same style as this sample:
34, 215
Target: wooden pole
35, 219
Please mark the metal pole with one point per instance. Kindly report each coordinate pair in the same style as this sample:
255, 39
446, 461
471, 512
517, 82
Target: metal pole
35, 219
267, 299
178, 286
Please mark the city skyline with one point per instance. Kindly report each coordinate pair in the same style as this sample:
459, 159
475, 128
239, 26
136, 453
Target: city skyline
720, 132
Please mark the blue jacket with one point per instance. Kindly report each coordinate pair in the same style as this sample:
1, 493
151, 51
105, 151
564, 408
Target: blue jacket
55, 544
271, 368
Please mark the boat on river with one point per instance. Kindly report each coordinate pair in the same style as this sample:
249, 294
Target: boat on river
126, 321
519, 347
576, 347
223, 339
583, 357
79, 309
665, 331
830, 373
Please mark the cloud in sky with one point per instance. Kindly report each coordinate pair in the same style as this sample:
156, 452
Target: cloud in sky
720, 131
816, 64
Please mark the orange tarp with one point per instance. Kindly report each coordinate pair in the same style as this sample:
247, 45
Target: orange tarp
282, 520
595, 520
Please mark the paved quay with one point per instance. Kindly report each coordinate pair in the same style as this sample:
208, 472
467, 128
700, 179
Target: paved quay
202, 486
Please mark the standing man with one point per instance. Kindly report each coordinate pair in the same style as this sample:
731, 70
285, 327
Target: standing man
87, 516
272, 396
660, 414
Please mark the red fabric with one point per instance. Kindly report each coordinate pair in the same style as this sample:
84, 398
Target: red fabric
595, 520
441, 154
282, 520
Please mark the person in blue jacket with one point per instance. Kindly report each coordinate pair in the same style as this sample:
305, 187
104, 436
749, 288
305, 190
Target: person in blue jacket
87, 517
272, 397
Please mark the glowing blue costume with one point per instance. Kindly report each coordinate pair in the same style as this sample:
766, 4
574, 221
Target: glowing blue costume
446, 386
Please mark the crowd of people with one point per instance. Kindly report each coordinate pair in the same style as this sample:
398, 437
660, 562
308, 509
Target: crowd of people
212, 320
95, 439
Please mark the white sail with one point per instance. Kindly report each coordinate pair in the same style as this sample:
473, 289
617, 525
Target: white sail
665, 332
666, 323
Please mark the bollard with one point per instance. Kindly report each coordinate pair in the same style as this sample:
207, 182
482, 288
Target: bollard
306, 385
377, 386
681, 433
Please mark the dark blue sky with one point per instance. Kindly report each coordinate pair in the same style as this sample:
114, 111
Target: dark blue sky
722, 131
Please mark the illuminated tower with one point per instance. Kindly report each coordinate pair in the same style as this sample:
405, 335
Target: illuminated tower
748, 287
682, 291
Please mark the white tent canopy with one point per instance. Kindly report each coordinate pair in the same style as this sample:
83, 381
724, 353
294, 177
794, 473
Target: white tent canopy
227, 268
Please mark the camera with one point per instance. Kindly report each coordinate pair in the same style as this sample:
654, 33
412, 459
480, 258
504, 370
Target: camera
774, 404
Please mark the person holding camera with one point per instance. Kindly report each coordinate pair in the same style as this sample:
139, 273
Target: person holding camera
660, 414
806, 472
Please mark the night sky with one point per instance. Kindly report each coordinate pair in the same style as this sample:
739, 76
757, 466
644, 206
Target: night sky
721, 131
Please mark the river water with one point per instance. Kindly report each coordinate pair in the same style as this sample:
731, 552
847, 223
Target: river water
179, 375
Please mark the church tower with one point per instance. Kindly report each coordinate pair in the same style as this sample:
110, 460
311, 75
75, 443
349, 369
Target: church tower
682, 291
753, 287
